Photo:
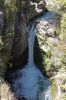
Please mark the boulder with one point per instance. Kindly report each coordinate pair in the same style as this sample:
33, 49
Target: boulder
36, 8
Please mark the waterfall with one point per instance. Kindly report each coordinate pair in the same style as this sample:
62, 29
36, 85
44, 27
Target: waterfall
31, 84
30, 46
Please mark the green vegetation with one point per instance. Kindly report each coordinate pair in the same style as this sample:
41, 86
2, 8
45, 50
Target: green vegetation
61, 2
61, 46
54, 89
52, 65
63, 26
9, 9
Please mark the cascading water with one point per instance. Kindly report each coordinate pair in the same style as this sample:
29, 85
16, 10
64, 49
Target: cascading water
30, 46
31, 84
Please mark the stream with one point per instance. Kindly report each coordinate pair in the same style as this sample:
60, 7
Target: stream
29, 82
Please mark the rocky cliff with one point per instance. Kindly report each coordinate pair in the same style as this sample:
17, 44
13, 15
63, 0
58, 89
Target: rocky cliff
26, 10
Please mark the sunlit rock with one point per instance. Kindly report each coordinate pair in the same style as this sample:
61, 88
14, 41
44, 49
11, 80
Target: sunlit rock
56, 57
52, 41
45, 48
36, 8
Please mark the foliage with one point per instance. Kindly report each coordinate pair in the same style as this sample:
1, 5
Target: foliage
1, 4
62, 2
63, 25
9, 9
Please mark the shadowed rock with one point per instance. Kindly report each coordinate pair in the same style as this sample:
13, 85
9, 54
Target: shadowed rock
26, 10
1, 22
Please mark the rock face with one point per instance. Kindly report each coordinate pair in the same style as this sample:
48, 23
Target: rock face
5, 92
46, 30
1, 22
36, 7
26, 10
20, 38
48, 38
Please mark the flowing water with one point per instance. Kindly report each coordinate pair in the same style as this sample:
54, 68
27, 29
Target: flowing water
30, 82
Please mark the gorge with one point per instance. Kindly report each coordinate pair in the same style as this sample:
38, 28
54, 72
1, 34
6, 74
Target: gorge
32, 55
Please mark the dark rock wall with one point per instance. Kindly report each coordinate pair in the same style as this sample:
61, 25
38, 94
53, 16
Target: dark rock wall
1, 22
26, 10
20, 30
